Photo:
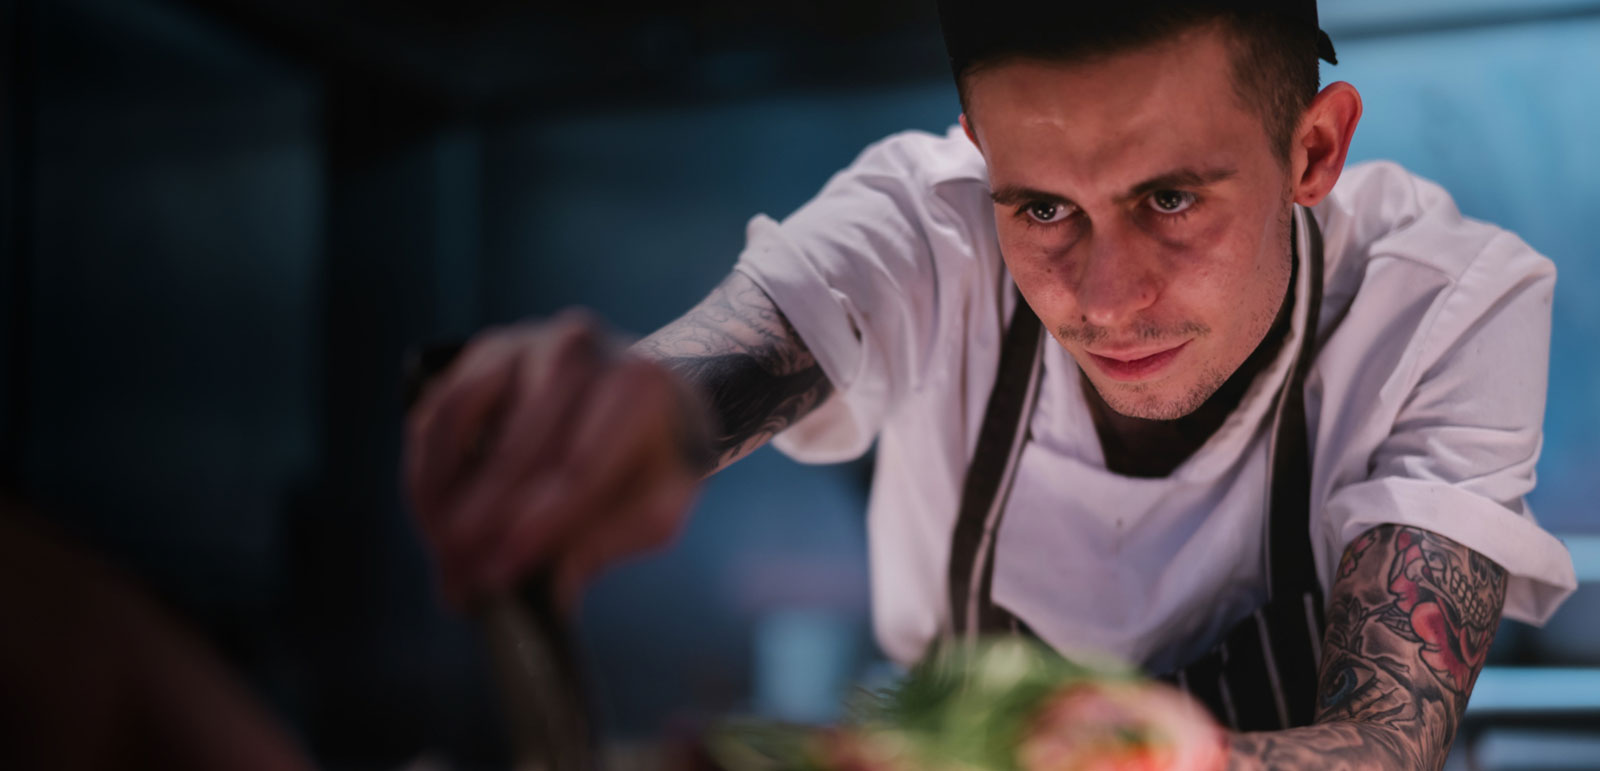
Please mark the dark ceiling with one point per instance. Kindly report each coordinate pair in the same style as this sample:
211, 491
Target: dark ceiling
503, 55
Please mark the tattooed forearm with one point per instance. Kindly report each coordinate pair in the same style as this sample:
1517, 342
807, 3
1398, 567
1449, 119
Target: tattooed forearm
1333, 747
740, 352
1409, 626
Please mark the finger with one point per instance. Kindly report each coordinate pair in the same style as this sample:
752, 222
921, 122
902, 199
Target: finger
654, 523
559, 382
641, 403
449, 430
618, 445
442, 428
493, 358
551, 394
443, 446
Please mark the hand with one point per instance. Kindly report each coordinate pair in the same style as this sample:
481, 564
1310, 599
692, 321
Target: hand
548, 445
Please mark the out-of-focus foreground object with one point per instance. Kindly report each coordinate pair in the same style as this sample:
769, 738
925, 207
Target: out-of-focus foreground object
95, 674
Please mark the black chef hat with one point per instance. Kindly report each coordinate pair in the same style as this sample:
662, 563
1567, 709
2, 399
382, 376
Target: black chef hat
974, 29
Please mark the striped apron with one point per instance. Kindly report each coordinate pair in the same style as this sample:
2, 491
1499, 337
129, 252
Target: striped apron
1263, 675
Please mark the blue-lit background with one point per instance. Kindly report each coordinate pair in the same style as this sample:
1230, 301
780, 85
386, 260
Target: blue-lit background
225, 219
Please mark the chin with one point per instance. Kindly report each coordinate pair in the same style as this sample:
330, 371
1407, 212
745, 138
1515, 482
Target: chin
1167, 401
1150, 406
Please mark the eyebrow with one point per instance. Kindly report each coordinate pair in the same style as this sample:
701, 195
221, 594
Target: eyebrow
1182, 178
1010, 195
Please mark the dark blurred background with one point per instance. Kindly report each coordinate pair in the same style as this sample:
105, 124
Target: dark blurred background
225, 220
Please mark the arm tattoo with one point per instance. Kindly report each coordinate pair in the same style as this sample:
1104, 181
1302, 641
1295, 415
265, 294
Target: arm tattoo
1410, 624
737, 348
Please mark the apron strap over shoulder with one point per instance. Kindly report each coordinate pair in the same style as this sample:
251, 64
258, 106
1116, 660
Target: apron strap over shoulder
988, 482
1291, 624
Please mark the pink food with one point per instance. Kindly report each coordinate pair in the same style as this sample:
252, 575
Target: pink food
1123, 726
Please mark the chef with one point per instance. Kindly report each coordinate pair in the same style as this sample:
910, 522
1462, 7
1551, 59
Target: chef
1149, 372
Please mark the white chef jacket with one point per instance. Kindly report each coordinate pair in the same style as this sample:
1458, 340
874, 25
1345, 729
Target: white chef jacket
1424, 408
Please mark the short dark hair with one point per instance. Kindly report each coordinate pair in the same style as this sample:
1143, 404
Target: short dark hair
1276, 69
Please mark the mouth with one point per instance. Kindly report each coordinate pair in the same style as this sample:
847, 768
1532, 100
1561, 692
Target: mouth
1133, 365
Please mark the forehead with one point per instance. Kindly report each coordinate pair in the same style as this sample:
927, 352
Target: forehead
1113, 118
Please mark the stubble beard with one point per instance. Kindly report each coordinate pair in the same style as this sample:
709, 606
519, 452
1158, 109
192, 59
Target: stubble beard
1142, 401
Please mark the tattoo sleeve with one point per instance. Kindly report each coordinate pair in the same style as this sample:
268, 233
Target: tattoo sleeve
740, 352
1409, 626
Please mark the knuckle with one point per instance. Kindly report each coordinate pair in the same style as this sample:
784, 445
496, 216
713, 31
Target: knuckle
575, 315
579, 325
477, 372
481, 352
574, 347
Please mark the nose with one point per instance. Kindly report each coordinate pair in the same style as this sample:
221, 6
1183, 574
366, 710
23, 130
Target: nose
1114, 281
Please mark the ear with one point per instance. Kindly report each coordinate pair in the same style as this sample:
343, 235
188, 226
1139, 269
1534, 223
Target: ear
1322, 142
966, 126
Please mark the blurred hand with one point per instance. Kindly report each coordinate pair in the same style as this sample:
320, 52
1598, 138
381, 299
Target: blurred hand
549, 445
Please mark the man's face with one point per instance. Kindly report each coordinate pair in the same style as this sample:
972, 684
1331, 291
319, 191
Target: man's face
1142, 213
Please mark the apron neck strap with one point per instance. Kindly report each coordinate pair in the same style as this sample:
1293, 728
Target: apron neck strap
1288, 552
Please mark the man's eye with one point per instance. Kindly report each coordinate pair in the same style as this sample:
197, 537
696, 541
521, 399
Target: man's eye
1171, 201
1047, 213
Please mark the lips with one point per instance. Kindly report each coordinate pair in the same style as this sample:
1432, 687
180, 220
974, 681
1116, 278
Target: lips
1133, 366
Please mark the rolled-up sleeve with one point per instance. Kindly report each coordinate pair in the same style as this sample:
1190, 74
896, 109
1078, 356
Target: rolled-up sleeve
854, 273
1462, 448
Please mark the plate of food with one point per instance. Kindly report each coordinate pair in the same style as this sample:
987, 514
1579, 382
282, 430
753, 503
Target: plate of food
1008, 704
